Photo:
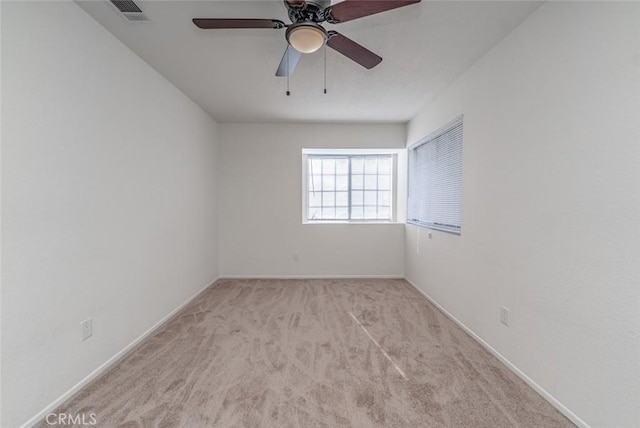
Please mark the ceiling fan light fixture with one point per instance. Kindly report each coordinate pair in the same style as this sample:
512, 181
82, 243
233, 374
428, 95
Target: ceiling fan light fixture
306, 37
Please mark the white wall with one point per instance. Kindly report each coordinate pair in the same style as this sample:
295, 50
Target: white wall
261, 172
550, 207
108, 200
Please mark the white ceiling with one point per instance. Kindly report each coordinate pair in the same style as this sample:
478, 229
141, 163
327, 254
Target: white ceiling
231, 73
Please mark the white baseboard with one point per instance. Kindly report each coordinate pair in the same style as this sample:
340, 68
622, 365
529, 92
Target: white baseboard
399, 276
540, 390
117, 357
111, 361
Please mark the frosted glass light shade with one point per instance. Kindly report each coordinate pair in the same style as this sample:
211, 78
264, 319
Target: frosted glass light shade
306, 38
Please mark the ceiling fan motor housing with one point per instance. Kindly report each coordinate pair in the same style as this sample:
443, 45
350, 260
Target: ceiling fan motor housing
312, 10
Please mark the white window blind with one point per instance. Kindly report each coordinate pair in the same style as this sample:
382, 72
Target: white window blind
435, 180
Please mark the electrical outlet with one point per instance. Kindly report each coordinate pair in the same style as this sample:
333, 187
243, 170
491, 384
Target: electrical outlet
504, 315
87, 328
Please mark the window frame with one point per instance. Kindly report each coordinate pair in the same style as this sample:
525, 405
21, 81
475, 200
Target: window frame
458, 121
341, 153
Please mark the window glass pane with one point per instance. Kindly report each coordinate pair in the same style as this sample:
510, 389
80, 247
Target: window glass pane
357, 198
357, 212
314, 213
342, 199
370, 182
315, 183
335, 182
342, 213
384, 165
371, 165
342, 166
328, 166
369, 198
370, 213
315, 166
315, 199
328, 182
357, 181
328, 213
384, 213
328, 199
357, 165
384, 198
384, 182
342, 182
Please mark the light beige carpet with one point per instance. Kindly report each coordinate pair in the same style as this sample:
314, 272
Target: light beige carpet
311, 353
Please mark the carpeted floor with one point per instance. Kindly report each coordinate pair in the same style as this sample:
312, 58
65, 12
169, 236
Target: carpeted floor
311, 353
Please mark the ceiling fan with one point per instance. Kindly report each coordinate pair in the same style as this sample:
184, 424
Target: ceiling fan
306, 34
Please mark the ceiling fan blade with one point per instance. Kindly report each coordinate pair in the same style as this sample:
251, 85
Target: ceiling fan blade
354, 9
352, 50
288, 63
221, 23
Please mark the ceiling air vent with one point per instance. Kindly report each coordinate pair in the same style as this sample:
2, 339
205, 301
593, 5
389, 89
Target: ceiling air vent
129, 10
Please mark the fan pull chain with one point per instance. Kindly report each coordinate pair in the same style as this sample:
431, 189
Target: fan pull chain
325, 68
288, 73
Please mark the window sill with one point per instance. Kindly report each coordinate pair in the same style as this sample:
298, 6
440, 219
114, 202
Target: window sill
457, 232
350, 222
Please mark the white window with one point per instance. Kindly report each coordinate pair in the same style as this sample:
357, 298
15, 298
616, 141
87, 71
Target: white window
435, 180
348, 187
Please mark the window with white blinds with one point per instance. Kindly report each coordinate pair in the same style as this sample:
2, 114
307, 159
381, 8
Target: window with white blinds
435, 180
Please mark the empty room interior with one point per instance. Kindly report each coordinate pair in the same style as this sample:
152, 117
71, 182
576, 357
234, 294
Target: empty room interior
315, 213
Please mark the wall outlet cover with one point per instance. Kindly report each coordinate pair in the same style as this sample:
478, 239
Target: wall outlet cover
504, 315
87, 328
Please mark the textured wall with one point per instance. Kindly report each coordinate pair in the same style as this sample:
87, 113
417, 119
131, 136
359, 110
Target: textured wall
551, 203
108, 200
261, 172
